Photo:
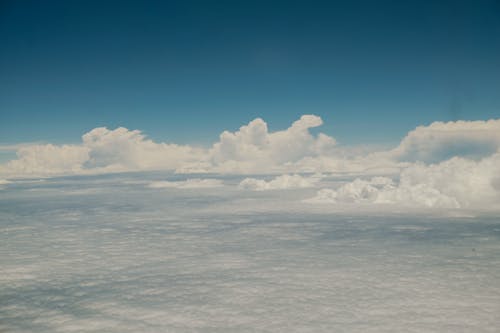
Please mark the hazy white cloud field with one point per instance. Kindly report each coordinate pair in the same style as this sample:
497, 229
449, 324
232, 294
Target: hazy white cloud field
263, 231
134, 253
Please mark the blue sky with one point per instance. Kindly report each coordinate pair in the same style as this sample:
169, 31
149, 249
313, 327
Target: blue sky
184, 71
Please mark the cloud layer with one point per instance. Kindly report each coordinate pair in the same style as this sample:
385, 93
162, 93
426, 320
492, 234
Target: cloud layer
441, 141
279, 183
455, 183
251, 149
452, 165
193, 183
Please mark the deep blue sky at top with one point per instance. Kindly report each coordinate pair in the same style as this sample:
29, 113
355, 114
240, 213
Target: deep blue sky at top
184, 71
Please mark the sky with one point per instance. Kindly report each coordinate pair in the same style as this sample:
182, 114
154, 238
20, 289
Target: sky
274, 166
184, 71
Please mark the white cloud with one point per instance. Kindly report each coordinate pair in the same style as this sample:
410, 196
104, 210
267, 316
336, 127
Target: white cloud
132, 151
4, 182
102, 150
47, 159
456, 183
356, 191
279, 183
188, 183
250, 149
253, 149
440, 141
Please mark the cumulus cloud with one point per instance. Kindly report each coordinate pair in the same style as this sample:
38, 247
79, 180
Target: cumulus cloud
47, 159
132, 151
250, 149
254, 149
193, 183
441, 141
455, 183
279, 183
102, 150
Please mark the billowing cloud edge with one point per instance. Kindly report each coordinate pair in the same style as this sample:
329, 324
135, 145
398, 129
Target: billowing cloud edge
455, 183
250, 149
444, 164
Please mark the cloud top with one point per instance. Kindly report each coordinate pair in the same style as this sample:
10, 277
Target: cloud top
455, 183
252, 148
441, 141
448, 165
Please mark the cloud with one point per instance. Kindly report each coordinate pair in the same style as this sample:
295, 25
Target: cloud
251, 149
279, 183
193, 183
441, 141
130, 150
254, 149
47, 159
102, 150
455, 183
4, 182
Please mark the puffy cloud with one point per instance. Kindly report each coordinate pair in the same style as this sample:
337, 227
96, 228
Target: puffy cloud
456, 183
47, 160
253, 149
441, 141
130, 150
193, 183
356, 191
102, 150
279, 183
250, 149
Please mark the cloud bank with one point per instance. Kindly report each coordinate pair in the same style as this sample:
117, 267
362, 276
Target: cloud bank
279, 183
455, 183
453, 164
251, 149
193, 183
441, 141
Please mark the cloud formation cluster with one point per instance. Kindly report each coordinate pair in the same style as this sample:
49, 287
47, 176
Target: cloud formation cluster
279, 183
455, 183
453, 164
254, 149
193, 183
441, 141
251, 149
